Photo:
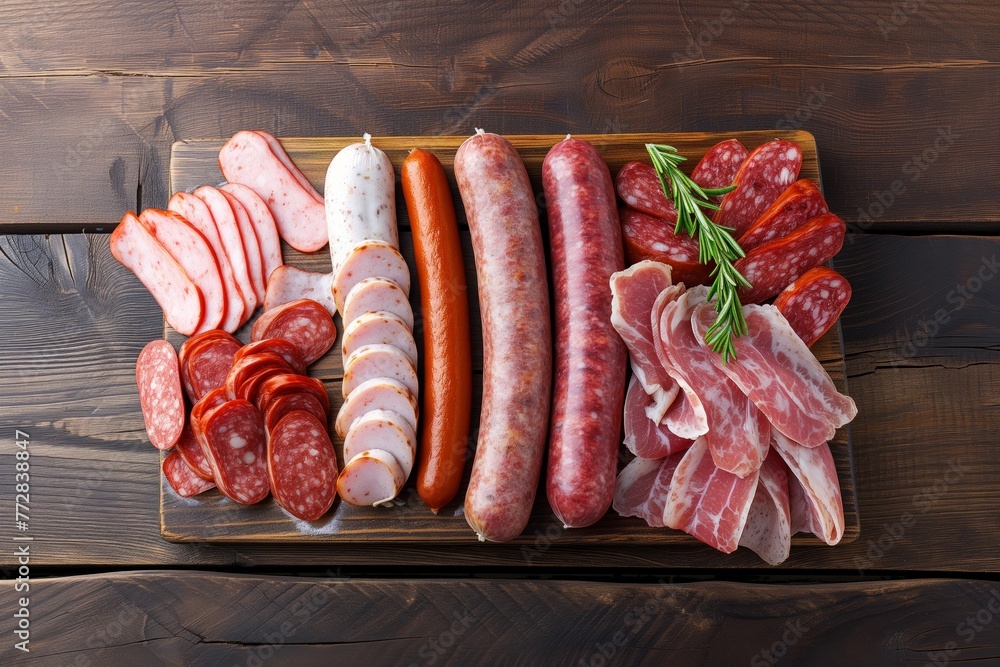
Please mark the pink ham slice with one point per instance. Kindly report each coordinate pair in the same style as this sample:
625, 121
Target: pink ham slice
377, 294
232, 242
258, 161
768, 528
289, 283
707, 502
816, 504
738, 434
251, 246
196, 212
643, 486
686, 415
633, 293
263, 225
138, 250
191, 250
644, 437
370, 259
776, 370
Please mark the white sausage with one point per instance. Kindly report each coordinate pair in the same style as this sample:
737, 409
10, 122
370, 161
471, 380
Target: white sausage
378, 394
370, 478
386, 430
369, 259
379, 327
369, 362
377, 295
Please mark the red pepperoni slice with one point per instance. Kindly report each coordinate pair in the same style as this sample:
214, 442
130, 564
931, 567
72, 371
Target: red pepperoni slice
208, 363
776, 264
813, 303
765, 174
279, 346
652, 238
720, 164
238, 381
158, 377
302, 465
279, 385
801, 202
190, 450
196, 340
236, 451
201, 409
285, 403
639, 187
304, 323
182, 478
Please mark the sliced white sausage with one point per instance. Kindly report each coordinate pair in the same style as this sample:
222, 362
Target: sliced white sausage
369, 259
195, 211
379, 327
289, 283
188, 246
232, 244
377, 394
370, 478
181, 300
369, 362
385, 430
251, 246
360, 197
263, 225
377, 295
249, 158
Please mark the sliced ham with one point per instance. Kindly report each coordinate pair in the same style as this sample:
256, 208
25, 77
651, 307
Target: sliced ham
290, 283
251, 246
768, 528
232, 244
263, 225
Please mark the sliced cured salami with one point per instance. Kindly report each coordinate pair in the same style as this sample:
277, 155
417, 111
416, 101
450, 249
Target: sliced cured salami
765, 174
385, 430
302, 465
720, 164
370, 259
244, 372
813, 303
182, 478
282, 404
643, 486
138, 250
379, 327
649, 238
801, 202
287, 351
776, 264
289, 283
379, 361
236, 451
190, 450
158, 376
207, 364
639, 187
377, 294
377, 394
200, 410
304, 323
280, 385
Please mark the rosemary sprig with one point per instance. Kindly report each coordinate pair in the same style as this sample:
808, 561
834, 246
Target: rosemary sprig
715, 244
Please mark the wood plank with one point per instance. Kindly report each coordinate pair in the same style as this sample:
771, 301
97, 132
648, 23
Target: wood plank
73, 321
198, 618
213, 518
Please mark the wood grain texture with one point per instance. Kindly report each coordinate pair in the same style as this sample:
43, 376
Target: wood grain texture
93, 94
195, 618
212, 518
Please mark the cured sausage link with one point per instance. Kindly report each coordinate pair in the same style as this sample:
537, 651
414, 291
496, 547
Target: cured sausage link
590, 358
517, 336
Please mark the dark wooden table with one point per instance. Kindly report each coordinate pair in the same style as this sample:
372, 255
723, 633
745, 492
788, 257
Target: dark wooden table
902, 101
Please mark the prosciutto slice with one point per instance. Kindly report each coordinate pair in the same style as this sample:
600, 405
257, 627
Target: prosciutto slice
814, 490
643, 486
633, 292
643, 436
776, 370
768, 528
707, 502
736, 433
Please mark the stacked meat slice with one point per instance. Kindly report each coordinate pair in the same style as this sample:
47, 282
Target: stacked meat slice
370, 286
715, 442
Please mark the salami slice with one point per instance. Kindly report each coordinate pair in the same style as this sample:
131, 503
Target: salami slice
813, 303
236, 451
652, 238
765, 174
282, 404
304, 323
377, 294
244, 371
773, 266
182, 478
289, 283
200, 410
302, 465
190, 450
801, 202
290, 353
280, 385
639, 187
207, 364
158, 377
720, 164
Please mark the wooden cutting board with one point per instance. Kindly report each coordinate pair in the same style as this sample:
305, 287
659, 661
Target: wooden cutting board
213, 518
